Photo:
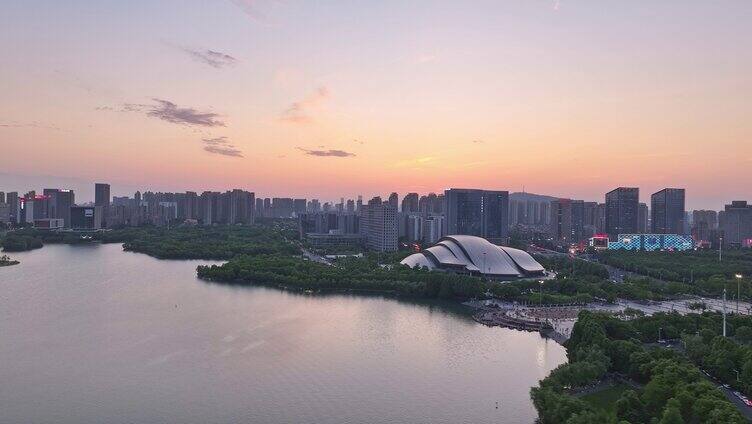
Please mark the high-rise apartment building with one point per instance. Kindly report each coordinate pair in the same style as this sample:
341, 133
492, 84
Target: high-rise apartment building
394, 200
703, 223
735, 223
299, 206
410, 203
667, 211
567, 221
481, 213
102, 199
433, 229
379, 224
282, 207
622, 209
590, 219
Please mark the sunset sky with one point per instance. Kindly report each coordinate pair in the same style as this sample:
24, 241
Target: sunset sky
339, 98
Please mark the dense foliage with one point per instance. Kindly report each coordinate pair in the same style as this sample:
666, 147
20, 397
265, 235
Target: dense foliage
185, 242
202, 242
347, 274
578, 279
701, 271
668, 387
19, 241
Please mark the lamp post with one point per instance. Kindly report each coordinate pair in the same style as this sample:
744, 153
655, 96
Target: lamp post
738, 290
541, 292
724, 310
720, 248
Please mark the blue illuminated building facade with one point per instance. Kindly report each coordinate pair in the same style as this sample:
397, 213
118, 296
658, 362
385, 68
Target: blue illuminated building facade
652, 242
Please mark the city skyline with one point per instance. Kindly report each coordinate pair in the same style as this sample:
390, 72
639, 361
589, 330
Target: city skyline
85, 191
325, 100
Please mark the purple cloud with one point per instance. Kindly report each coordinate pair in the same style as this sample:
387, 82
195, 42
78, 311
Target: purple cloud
170, 112
221, 146
327, 153
212, 58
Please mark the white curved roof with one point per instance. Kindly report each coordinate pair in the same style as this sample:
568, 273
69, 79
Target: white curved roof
523, 259
476, 255
486, 256
418, 260
455, 248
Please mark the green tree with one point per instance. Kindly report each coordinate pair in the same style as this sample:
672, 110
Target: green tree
671, 414
744, 334
630, 408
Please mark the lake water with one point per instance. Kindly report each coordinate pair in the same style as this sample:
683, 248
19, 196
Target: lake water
92, 334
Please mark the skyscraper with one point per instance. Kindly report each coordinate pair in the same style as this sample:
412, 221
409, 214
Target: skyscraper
64, 200
102, 199
13, 205
622, 208
735, 223
567, 220
703, 222
667, 211
477, 213
642, 218
590, 220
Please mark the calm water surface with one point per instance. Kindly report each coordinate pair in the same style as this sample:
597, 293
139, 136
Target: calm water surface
92, 334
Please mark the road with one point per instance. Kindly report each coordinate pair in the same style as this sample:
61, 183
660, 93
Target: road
745, 410
314, 257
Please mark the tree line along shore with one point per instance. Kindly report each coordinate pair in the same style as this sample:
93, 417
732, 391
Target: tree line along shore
602, 347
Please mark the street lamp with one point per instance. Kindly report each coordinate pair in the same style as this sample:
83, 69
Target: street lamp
720, 248
541, 292
738, 290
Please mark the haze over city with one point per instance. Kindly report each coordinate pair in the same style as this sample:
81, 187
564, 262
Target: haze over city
330, 99
376, 211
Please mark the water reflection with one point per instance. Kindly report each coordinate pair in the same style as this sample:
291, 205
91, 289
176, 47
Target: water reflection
99, 335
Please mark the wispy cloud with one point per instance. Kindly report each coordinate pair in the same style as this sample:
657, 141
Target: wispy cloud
557, 3
426, 58
212, 58
221, 146
478, 141
251, 8
32, 124
170, 112
327, 153
300, 112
